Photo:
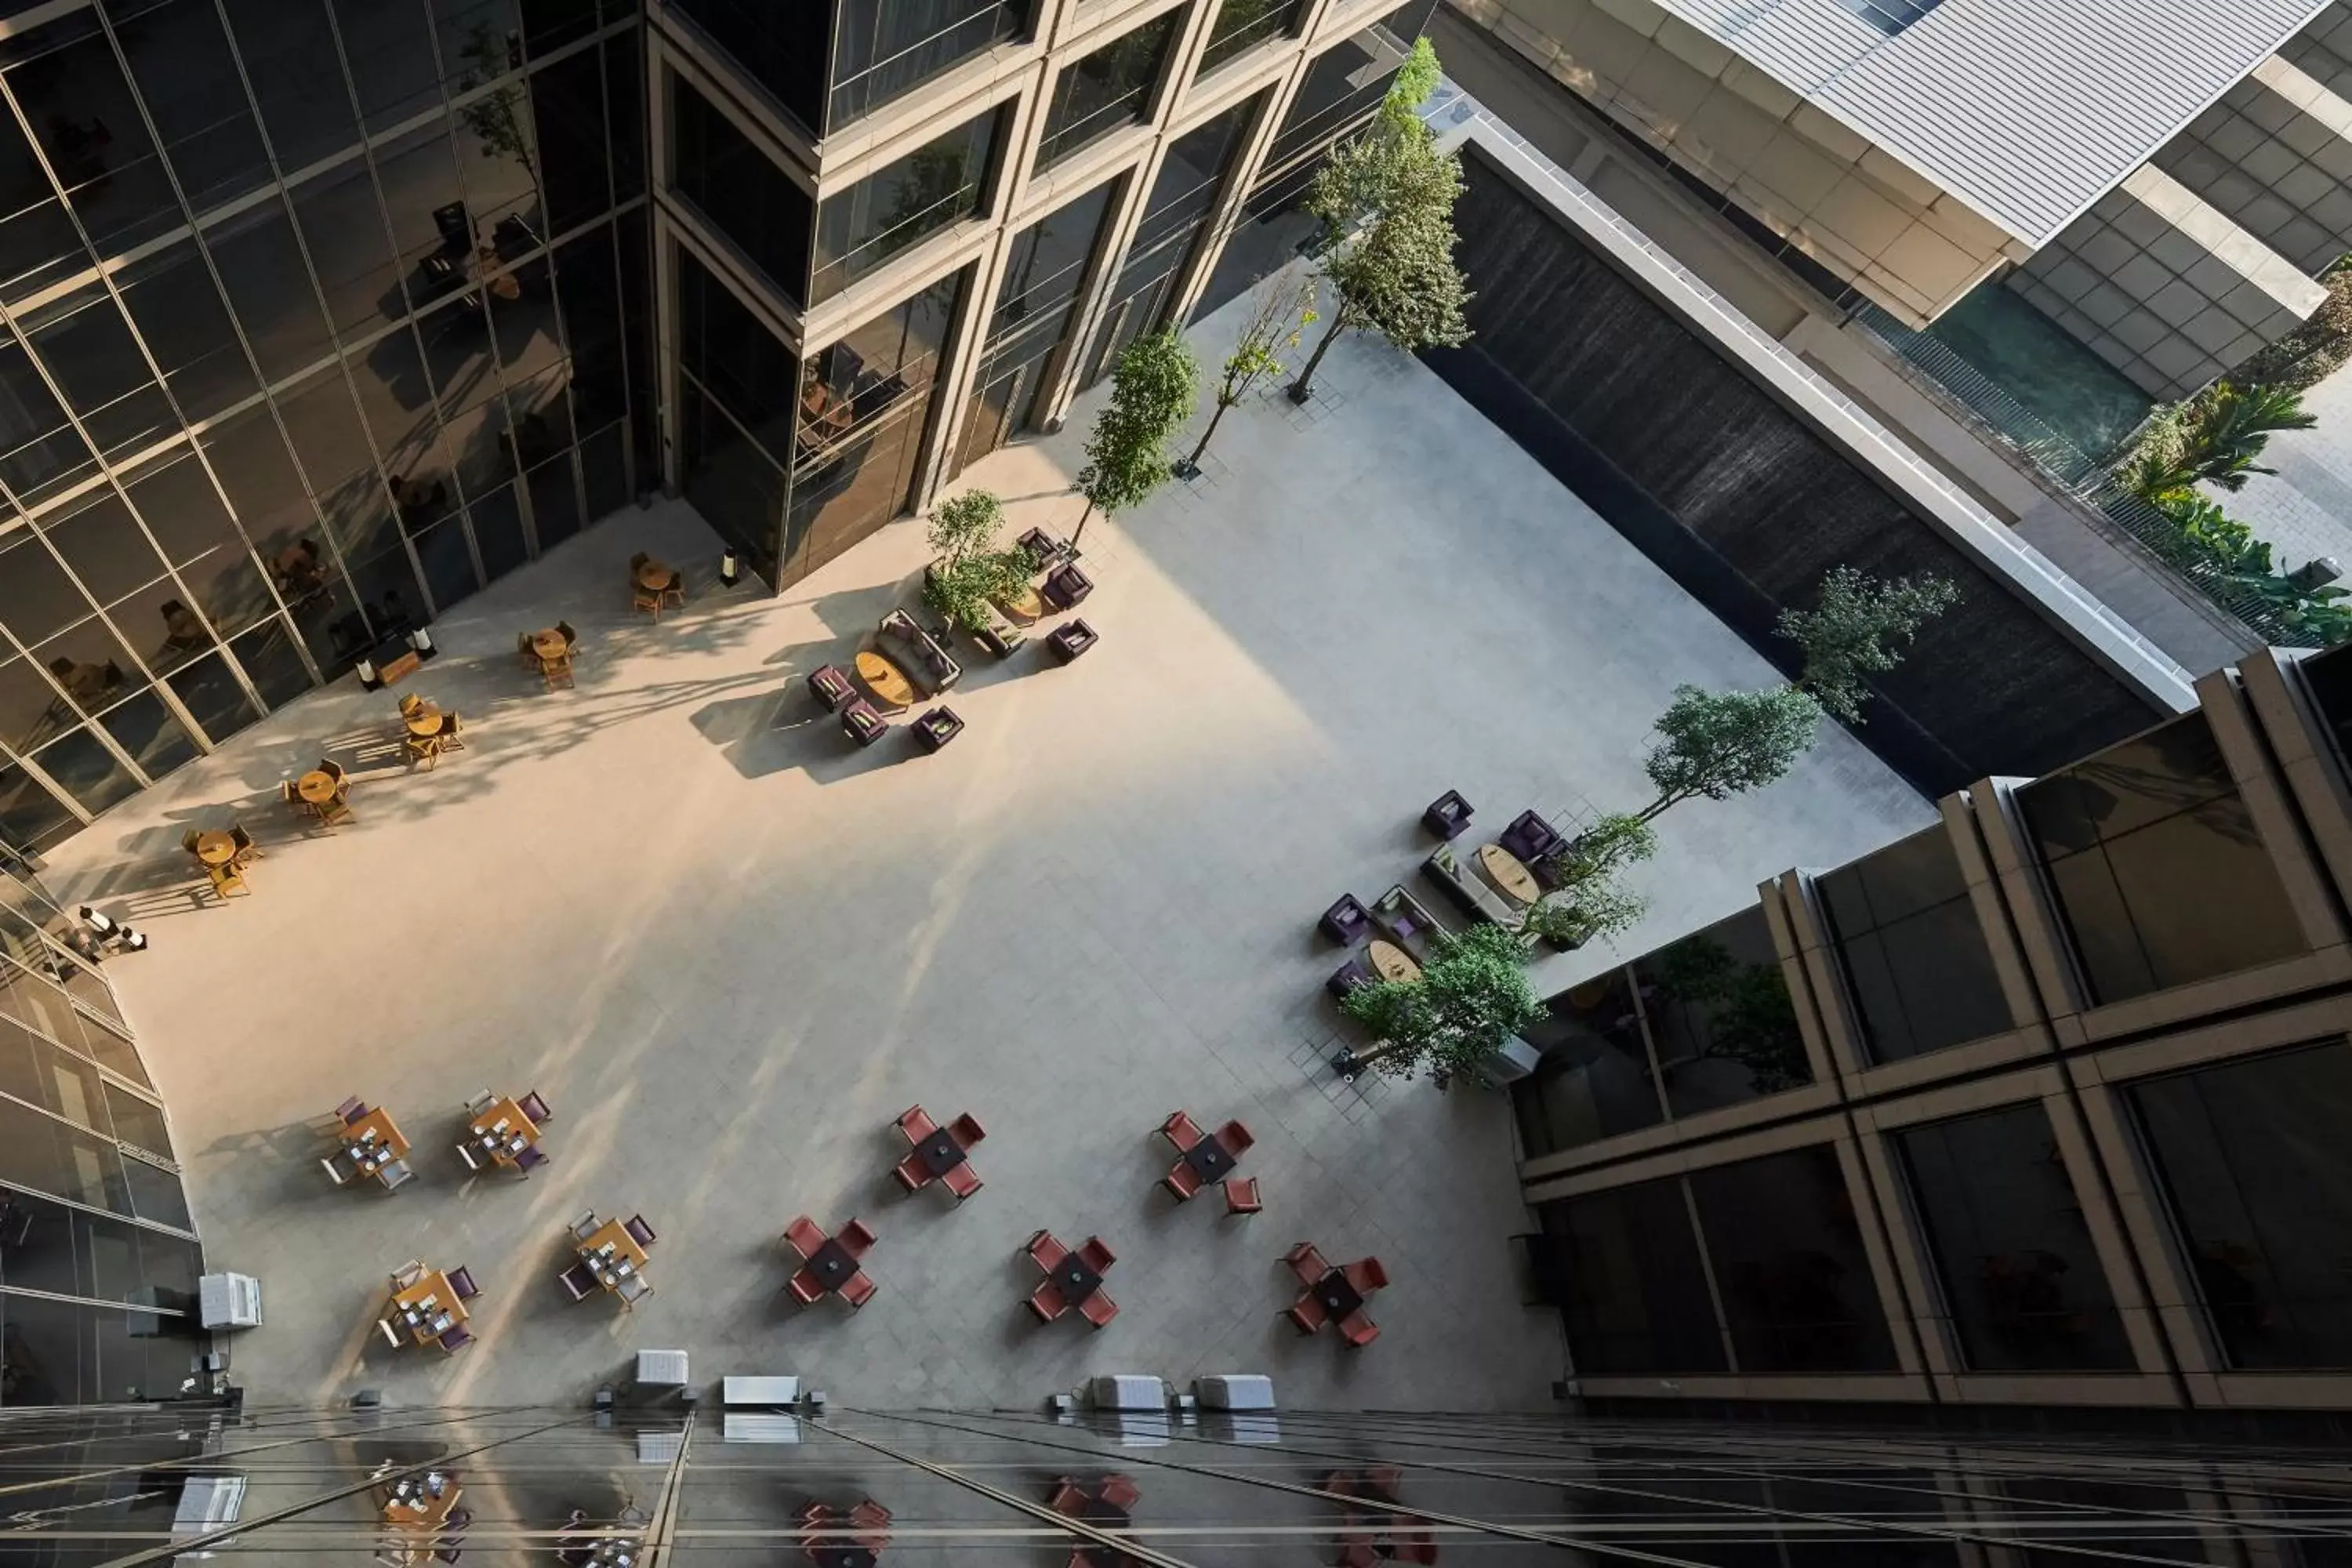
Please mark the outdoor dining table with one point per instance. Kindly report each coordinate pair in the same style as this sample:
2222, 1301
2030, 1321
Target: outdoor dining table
429, 1308
939, 1152
613, 1255
831, 1264
374, 1142
1210, 1159
216, 848
503, 1131
652, 576
422, 1503
318, 787
1076, 1280
424, 721
1339, 1298
549, 644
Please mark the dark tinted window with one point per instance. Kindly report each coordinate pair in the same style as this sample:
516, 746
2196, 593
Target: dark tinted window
882, 48
783, 47
740, 382
1787, 1258
740, 193
180, 59
1594, 1080
74, 97
1346, 82
1915, 955
1241, 24
2329, 678
1047, 263
1101, 92
2251, 1156
882, 214
2020, 1278
2156, 866
1720, 1017
289, 48
1636, 1298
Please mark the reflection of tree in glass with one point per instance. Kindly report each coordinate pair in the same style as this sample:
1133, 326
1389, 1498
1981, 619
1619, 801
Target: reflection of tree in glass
1742, 1009
496, 118
933, 177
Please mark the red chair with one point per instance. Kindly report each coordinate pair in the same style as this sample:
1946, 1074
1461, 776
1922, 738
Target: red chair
856, 1239
1358, 1330
1241, 1195
967, 1131
803, 1236
1306, 1313
1235, 1137
1412, 1546
1096, 1255
1306, 1263
1046, 1252
962, 1181
1179, 1130
869, 1515
1099, 1308
1067, 1498
916, 1124
1119, 1492
1181, 1180
912, 1174
858, 1289
1048, 1303
805, 1288
1365, 1275
1356, 1551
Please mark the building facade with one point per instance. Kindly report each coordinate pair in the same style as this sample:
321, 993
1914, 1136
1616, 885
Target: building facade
2041, 1106
99, 1260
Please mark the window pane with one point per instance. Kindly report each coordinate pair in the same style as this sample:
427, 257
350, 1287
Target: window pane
390, 54
1921, 974
81, 109
214, 699
605, 474
37, 1237
248, 454
1788, 1256
272, 664
269, 288
324, 427
342, 228
86, 770
1106, 90
180, 59
741, 192
1636, 1291
1720, 1017
2250, 1155
1345, 83
884, 49
47, 1156
431, 228
30, 817
781, 48
145, 729
289, 49
176, 499
933, 186
1594, 1080
554, 505
2156, 865
37, 242
101, 541
40, 454
178, 310
567, 109
2021, 1280
1244, 24
624, 115
52, 1352
497, 522
88, 350
155, 1194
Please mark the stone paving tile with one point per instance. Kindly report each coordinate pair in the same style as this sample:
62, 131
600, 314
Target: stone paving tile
729, 949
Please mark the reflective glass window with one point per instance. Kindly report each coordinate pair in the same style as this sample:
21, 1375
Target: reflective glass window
624, 114
1346, 82
432, 228
161, 627
604, 476
884, 49
1798, 1292
261, 266
731, 479
270, 662
1914, 953
780, 46
1047, 263
741, 191
45, 1154
179, 312
342, 228
2156, 866
297, 72
179, 57
155, 1193
248, 456
554, 504
1111, 87
1594, 1080
1720, 1017
503, 164
89, 354
37, 598
542, 419
55, 1079
394, 394
37, 242
30, 709
183, 511
2021, 1280
479, 439
741, 363
497, 521
74, 97
36, 1235
149, 733
449, 562
479, 39
101, 541
389, 44
85, 769
2249, 1158
40, 453
324, 426
1245, 24
213, 697
30, 817
1634, 1290
937, 185
549, 24
567, 107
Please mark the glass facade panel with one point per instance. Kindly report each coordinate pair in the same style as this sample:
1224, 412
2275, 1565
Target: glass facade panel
1595, 1080
1915, 955
72, 92
2156, 866
741, 192
1346, 83
2019, 1276
2249, 1157
179, 57
883, 50
1101, 92
741, 387
1787, 1258
1636, 1295
781, 48
1244, 24
1719, 1016
937, 185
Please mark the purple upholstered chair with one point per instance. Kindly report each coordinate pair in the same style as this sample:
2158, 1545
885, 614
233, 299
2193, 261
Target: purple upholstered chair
1530, 837
829, 686
861, 723
461, 1280
1070, 639
1065, 585
1346, 921
1355, 972
1041, 548
1448, 815
937, 728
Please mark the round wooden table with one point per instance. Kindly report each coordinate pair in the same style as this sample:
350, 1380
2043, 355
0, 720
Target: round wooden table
1391, 961
884, 680
1508, 873
549, 644
424, 721
216, 848
316, 787
652, 576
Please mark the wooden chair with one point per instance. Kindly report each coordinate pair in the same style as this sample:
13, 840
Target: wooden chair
856, 1239
1241, 1195
1365, 1275
225, 881
407, 1274
332, 769
915, 1124
642, 598
188, 842
1358, 1330
1046, 1252
967, 1131
674, 595
805, 1288
247, 851
525, 651
557, 669
424, 748
391, 1335
857, 1289
452, 740
1306, 1263
1099, 1308
1306, 1313
803, 1236
1048, 1303
1182, 1181
1181, 1131
571, 638
963, 1181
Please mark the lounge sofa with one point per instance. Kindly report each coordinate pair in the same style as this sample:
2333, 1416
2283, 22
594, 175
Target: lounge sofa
925, 660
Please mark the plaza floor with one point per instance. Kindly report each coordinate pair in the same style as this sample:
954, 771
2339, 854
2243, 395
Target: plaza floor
728, 949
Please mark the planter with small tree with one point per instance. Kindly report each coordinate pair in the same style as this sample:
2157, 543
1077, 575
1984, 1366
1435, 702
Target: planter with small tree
967, 572
1153, 390
1591, 906
1468, 1004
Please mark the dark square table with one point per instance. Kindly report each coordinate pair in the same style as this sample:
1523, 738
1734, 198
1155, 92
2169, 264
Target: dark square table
1210, 1160
842, 1554
940, 1153
833, 1265
1077, 1282
1339, 1297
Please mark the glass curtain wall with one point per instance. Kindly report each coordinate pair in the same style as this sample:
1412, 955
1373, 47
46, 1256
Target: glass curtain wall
1036, 304
99, 1259
1108, 89
830, 65
943, 1487
312, 329
938, 184
1242, 25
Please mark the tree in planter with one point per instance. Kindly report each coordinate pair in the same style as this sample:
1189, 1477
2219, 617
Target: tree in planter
1859, 628
1594, 905
1470, 999
1722, 743
1398, 277
967, 570
2213, 438
1276, 321
1608, 846
1153, 390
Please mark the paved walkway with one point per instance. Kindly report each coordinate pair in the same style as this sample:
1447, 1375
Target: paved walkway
2305, 508
728, 949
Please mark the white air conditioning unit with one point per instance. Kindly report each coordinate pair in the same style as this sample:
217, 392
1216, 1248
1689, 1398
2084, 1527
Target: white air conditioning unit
229, 1301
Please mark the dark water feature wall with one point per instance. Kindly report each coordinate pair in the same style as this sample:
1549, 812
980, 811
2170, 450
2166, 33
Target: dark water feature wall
1745, 506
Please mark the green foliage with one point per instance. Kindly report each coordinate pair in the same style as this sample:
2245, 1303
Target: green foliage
1471, 997
1744, 1011
2210, 546
1151, 394
1858, 628
1415, 79
2213, 438
965, 525
970, 569
1394, 194
1591, 906
1608, 846
2313, 350
933, 176
1722, 743
1281, 312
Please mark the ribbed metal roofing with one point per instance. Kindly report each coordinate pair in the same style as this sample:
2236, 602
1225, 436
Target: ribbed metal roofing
2027, 110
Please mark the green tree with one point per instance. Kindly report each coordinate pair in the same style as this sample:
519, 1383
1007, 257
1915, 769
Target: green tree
1153, 390
1279, 314
1471, 997
1397, 277
496, 118
1859, 628
1594, 905
969, 570
1415, 79
2213, 438
1609, 846
1722, 743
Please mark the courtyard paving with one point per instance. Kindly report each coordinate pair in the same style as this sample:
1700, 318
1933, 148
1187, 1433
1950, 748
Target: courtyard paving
728, 949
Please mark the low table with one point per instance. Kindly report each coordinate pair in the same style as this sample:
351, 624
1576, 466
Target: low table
884, 680
1210, 1160
315, 787
1339, 1297
1075, 1279
216, 848
940, 1153
652, 576
549, 646
831, 1265
1508, 873
424, 721
1391, 961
